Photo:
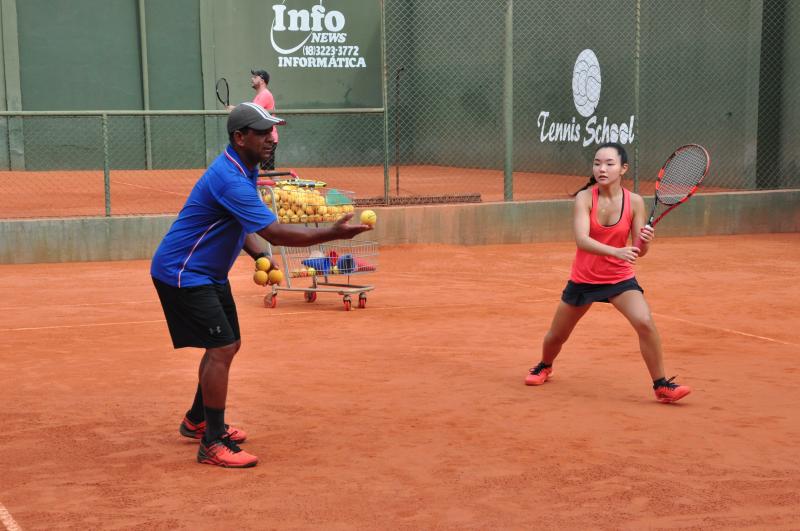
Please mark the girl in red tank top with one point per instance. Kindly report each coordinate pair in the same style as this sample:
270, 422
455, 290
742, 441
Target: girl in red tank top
605, 217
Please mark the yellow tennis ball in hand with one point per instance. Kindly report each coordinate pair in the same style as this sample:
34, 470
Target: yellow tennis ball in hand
263, 264
368, 217
261, 278
275, 276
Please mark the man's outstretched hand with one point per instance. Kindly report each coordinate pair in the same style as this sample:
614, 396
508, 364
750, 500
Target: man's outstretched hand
345, 230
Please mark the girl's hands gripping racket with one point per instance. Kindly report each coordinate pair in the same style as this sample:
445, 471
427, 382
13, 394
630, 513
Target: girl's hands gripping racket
677, 180
223, 92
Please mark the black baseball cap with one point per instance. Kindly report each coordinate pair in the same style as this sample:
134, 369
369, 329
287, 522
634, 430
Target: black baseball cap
263, 74
253, 116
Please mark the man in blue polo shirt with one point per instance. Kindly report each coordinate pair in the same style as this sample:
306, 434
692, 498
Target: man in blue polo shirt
221, 217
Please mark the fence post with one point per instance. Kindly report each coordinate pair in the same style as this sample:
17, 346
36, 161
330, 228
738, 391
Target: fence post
106, 169
148, 147
385, 108
9, 39
508, 105
636, 80
397, 130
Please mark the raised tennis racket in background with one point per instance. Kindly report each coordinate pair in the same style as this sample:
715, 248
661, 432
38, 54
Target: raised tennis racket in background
677, 180
223, 92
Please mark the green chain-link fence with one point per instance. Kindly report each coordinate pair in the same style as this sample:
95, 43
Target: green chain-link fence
485, 101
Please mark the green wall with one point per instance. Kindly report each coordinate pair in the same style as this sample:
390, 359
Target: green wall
174, 60
77, 53
716, 72
548, 37
173, 54
238, 40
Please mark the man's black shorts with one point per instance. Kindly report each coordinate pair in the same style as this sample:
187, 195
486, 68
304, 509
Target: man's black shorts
201, 316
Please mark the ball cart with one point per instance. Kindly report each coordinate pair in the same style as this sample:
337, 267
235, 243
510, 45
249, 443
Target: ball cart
331, 267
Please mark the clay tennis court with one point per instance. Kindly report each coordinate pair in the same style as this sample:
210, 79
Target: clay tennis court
412, 413
32, 194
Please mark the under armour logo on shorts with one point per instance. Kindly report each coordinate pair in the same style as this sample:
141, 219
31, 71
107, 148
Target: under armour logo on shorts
217, 331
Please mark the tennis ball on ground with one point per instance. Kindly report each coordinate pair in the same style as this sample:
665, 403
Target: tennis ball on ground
263, 264
261, 278
368, 217
311, 271
275, 276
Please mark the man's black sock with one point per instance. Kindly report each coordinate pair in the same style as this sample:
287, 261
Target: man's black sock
215, 424
196, 414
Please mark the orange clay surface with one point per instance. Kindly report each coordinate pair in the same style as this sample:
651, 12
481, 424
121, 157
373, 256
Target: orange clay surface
35, 194
412, 413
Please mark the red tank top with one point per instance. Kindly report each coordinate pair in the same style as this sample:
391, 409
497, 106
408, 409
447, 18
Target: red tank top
588, 268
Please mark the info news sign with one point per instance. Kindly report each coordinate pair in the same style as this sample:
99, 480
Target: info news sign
325, 54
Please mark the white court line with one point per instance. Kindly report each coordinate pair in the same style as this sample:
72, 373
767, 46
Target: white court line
51, 306
451, 305
272, 315
8, 520
729, 330
90, 325
182, 194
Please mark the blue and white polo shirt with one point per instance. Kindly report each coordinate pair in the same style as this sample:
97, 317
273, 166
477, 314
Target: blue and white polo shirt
207, 237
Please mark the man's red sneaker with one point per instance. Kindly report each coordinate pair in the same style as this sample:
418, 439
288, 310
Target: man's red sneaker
539, 374
667, 391
196, 431
226, 453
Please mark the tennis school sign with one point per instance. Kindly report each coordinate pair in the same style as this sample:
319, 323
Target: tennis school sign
586, 88
332, 49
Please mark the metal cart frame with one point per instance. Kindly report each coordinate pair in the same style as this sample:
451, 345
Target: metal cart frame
293, 258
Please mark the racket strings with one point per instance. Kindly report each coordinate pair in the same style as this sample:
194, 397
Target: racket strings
223, 91
681, 175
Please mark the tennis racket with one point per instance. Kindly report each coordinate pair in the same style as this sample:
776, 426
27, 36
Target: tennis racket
677, 181
265, 179
223, 92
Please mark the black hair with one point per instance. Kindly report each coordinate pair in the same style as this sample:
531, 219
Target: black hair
623, 157
263, 74
243, 130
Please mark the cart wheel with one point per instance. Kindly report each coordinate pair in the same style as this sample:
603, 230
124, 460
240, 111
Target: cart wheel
271, 300
346, 300
310, 296
362, 300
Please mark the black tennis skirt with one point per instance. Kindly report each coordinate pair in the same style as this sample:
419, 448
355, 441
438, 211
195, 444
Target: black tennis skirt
582, 294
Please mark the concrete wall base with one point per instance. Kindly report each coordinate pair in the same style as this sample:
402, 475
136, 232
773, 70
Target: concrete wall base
131, 238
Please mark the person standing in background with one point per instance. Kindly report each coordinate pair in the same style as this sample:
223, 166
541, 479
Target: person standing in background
260, 81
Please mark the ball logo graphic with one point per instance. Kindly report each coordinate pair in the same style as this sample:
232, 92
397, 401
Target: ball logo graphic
586, 83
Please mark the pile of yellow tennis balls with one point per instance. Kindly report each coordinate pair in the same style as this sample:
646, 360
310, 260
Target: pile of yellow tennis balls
304, 205
266, 274
311, 272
